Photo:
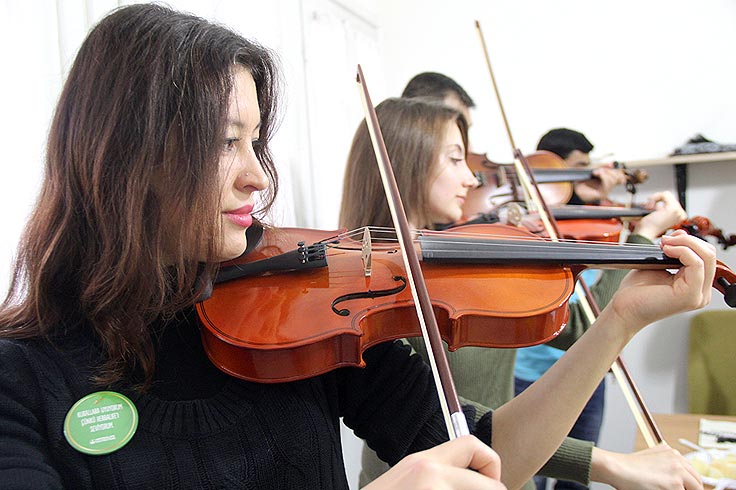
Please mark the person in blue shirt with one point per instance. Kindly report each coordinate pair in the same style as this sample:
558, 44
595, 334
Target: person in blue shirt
532, 362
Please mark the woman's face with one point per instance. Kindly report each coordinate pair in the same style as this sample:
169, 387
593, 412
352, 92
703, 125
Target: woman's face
241, 174
450, 179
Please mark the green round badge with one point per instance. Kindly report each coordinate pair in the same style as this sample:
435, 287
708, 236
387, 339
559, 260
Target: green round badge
101, 423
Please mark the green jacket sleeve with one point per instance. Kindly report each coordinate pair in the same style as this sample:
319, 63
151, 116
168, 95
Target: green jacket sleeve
570, 462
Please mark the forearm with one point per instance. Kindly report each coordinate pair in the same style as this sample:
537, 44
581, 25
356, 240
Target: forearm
536, 422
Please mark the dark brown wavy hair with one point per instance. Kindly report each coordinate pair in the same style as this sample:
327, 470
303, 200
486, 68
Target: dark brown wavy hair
135, 140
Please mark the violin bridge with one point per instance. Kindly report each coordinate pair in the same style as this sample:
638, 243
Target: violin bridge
366, 252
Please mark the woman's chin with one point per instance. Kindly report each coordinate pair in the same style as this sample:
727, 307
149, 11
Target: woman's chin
232, 250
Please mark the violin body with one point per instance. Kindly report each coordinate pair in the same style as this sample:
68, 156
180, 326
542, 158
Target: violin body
554, 193
499, 185
509, 290
255, 328
598, 230
494, 189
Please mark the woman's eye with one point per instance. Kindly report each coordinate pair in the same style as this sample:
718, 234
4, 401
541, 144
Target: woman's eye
456, 161
230, 143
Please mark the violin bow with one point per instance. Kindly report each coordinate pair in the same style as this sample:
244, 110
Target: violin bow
455, 420
642, 416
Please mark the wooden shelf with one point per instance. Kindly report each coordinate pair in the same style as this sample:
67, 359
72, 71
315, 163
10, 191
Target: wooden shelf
718, 157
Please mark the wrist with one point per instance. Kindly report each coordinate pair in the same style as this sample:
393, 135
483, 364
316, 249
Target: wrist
603, 466
617, 329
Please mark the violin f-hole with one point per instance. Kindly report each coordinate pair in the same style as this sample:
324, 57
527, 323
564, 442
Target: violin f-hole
367, 294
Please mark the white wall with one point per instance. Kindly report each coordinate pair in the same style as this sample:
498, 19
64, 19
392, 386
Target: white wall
639, 78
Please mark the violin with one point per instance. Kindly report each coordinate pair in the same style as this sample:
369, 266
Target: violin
576, 222
585, 229
603, 223
498, 183
547, 165
490, 286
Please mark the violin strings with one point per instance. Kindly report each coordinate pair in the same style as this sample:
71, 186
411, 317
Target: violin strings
386, 235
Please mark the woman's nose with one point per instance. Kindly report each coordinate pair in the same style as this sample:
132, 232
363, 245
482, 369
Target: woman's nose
252, 174
470, 181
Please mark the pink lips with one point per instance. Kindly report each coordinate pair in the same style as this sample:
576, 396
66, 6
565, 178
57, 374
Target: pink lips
241, 216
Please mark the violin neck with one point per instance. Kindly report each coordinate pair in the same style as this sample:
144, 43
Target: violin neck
551, 175
597, 212
465, 250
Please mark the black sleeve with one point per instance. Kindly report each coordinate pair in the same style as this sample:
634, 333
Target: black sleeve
25, 461
392, 403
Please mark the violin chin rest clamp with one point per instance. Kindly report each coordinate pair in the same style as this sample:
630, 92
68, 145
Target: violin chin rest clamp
729, 292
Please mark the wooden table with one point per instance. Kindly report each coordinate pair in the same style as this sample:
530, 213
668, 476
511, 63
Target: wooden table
677, 425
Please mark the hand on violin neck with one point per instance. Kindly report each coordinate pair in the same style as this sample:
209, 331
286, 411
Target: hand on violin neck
667, 213
596, 190
646, 296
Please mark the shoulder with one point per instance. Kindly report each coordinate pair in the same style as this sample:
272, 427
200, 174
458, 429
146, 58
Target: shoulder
39, 381
34, 369
19, 357
36, 391
25, 363
28, 355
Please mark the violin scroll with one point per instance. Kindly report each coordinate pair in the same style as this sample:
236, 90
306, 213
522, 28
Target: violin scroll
702, 227
633, 177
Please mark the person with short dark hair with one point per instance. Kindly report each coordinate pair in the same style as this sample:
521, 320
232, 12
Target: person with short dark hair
437, 86
574, 148
564, 143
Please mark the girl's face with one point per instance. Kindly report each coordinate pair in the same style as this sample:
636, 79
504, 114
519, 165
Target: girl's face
241, 174
450, 179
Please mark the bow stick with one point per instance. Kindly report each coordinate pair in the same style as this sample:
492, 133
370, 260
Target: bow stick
455, 420
644, 420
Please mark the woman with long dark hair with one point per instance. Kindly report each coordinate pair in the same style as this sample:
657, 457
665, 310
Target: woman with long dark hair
157, 164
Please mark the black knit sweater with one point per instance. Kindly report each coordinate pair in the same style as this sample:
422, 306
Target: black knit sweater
201, 429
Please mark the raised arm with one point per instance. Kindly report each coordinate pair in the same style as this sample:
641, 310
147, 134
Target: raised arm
535, 423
